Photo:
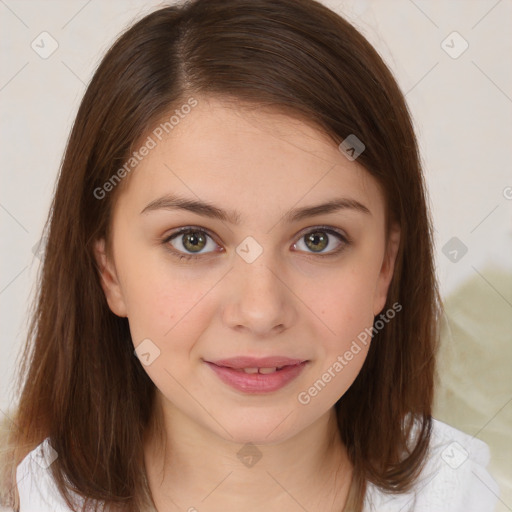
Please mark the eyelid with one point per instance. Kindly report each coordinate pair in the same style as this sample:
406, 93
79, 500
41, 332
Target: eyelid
188, 229
328, 229
343, 239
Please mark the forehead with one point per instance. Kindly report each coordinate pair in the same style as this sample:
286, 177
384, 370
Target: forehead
249, 158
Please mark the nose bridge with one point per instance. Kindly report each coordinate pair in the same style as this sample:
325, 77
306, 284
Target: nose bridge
259, 299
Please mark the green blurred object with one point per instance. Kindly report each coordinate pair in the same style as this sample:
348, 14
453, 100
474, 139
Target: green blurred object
474, 380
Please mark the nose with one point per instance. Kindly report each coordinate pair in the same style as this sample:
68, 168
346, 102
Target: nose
259, 301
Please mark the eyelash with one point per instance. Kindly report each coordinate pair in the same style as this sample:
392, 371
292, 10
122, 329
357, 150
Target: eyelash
193, 229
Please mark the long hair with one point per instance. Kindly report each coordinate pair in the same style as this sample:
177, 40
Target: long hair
80, 383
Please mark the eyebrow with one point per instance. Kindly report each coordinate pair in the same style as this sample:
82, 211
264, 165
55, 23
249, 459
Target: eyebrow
175, 202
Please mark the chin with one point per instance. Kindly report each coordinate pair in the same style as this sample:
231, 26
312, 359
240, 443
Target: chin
259, 430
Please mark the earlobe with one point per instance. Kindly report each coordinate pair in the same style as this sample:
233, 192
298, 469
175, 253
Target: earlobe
387, 269
109, 279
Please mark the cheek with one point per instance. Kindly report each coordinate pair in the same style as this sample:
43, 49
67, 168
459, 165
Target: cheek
172, 311
164, 300
345, 304
346, 309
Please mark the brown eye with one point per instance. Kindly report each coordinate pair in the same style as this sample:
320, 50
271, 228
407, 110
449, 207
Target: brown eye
189, 242
320, 239
317, 241
193, 242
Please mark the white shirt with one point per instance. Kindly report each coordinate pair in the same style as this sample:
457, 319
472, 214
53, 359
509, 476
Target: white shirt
454, 479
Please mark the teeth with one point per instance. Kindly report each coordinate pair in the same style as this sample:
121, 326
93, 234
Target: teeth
250, 370
267, 370
259, 370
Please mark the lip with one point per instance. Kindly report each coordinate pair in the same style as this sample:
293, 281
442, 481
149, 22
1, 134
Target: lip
257, 362
228, 370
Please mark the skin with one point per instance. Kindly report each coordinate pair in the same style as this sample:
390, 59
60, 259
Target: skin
290, 301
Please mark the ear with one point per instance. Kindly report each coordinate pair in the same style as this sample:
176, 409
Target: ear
387, 270
109, 280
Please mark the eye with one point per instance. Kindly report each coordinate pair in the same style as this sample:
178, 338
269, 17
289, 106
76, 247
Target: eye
189, 242
320, 238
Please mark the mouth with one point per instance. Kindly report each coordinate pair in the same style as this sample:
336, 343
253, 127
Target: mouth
263, 375
263, 371
269, 362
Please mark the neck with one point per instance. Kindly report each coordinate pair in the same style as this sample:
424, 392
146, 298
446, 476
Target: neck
191, 468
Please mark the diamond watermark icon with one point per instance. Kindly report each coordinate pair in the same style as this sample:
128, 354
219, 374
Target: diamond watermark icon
40, 247
454, 249
45, 455
352, 147
455, 455
45, 45
249, 250
147, 352
454, 45
249, 455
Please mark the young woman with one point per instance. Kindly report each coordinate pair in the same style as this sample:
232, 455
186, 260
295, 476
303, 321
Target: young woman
238, 307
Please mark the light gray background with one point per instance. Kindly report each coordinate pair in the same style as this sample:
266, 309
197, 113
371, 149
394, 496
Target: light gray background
462, 109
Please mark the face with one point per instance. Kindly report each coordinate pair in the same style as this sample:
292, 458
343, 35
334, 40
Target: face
227, 269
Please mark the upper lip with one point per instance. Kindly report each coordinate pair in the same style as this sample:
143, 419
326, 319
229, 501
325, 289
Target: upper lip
257, 362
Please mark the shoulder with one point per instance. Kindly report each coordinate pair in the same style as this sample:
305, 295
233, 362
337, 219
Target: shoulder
36, 488
454, 478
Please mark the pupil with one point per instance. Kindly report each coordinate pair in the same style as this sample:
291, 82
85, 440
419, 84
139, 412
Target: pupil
193, 241
315, 239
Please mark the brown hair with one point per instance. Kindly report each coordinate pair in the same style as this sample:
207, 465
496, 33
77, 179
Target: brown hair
92, 398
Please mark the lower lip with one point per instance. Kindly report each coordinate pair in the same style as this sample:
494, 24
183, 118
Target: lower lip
257, 382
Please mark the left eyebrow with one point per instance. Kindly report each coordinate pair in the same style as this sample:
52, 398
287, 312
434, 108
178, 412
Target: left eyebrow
332, 206
175, 202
